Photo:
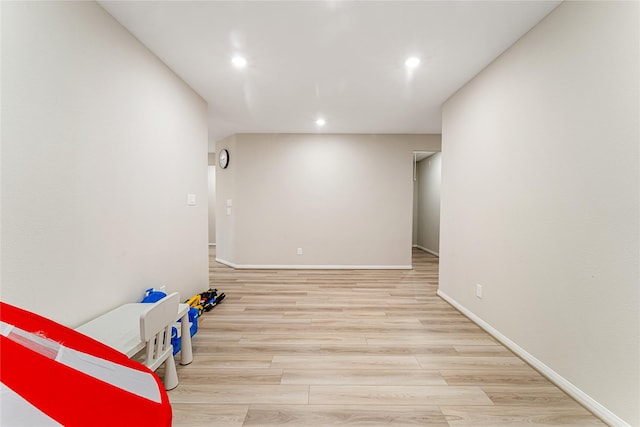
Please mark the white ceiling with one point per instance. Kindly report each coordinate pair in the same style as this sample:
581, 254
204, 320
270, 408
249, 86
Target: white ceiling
342, 60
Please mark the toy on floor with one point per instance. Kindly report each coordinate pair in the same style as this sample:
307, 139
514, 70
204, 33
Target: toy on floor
195, 302
210, 299
205, 301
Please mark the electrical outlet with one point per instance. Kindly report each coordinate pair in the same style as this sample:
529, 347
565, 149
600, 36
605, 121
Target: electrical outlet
479, 290
299, 252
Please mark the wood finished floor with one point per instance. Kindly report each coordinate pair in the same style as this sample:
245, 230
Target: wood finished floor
354, 348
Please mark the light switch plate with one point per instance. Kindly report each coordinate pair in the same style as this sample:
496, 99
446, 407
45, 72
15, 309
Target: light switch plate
191, 199
479, 290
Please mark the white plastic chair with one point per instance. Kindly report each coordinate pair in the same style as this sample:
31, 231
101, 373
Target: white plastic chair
155, 330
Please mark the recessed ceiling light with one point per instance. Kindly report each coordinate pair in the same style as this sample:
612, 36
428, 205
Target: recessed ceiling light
412, 62
321, 122
239, 62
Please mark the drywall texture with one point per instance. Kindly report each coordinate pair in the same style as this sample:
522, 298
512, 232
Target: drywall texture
416, 195
211, 191
428, 203
101, 143
212, 203
225, 198
346, 200
540, 198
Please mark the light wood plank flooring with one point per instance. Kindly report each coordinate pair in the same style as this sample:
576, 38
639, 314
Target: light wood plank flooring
357, 348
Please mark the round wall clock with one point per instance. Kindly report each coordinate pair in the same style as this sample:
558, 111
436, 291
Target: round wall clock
223, 159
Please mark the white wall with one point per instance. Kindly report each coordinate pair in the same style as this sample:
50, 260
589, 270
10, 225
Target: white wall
346, 200
101, 143
225, 194
416, 198
540, 200
428, 173
211, 189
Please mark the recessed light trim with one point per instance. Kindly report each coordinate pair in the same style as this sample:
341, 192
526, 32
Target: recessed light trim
412, 62
239, 61
321, 122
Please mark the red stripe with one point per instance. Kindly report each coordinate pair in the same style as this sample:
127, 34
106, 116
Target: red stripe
70, 397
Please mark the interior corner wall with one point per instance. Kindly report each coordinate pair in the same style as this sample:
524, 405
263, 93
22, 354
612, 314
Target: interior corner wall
211, 188
225, 200
540, 201
101, 143
346, 200
416, 199
428, 174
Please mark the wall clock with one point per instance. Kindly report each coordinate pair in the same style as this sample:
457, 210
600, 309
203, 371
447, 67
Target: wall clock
223, 159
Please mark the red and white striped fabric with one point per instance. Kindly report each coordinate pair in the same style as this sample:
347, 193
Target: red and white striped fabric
53, 375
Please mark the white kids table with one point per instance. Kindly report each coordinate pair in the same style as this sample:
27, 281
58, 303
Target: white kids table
120, 329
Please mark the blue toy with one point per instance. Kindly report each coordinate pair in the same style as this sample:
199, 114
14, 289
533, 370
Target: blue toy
153, 295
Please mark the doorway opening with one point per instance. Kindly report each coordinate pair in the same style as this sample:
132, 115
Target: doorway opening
426, 201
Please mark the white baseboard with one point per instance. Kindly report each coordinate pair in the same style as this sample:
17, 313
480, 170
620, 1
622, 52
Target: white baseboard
584, 399
427, 250
312, 266
225, 262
